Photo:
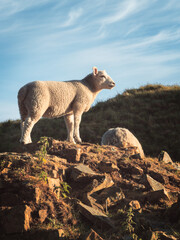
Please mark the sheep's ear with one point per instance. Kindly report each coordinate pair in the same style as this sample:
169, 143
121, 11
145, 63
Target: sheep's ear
95, 71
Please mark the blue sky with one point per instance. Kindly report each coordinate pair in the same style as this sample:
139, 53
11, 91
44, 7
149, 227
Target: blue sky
136, 41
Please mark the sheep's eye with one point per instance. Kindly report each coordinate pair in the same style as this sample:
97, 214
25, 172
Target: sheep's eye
102, 76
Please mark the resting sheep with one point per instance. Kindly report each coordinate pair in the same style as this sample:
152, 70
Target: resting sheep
52, 99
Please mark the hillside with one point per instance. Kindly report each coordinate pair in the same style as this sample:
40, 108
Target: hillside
151, 113
58, 190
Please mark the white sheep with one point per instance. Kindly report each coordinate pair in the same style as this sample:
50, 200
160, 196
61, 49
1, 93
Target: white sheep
52, 99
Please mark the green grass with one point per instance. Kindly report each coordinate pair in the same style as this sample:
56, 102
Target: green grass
151, 113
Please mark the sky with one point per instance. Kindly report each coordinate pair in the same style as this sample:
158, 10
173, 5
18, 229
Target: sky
137, 42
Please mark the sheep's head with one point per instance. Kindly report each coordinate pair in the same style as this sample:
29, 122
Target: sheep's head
102, 79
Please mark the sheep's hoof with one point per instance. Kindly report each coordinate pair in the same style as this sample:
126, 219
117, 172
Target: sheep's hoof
71, 140
78, 140
24, 142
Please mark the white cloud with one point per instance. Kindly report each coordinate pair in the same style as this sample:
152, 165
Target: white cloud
125, 9
10, 7
72, 17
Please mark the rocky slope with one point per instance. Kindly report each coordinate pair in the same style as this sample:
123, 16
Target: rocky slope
87, 192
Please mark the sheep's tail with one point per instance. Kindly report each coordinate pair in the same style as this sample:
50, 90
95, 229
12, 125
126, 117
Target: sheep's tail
21, 97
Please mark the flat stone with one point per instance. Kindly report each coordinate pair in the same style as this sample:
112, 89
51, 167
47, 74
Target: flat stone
159, 177
155, 196
154, 185
95, 216
107, 167
70, 152
92, 235
110, 196
80, 171
106, 183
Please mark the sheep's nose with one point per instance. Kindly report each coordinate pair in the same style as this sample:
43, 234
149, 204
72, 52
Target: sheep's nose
113, 84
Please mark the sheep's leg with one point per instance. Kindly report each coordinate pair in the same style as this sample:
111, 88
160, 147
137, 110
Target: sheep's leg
69, 120
26, 135
77, 120
22, 130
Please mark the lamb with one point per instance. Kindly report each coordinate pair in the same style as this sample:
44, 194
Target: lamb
52, 99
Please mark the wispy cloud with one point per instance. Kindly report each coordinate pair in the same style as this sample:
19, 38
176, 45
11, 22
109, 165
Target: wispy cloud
11, 7
72, 17
123, 10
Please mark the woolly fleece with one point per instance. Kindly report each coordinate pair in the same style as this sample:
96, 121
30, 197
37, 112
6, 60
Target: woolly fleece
52, 99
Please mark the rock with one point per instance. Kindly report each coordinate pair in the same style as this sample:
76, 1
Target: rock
164, 236
15, 219
121, 137
54, 185
95, 216
158, 177
164, 157
43, 213
30, 193
92, 235
107, 167
68, 151
155, 196
173, 212
126, 166
136, 156
37, 194
135, 205
53, 182
105, 183
92, 202
153, 184
177, 166
110, 196
80, 171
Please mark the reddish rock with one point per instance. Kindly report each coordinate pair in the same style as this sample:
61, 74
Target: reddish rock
107, 167
68, 151
110, 196
54, 185
135, 205
53, 182
95, 216
155, 196
43, 213
105, 183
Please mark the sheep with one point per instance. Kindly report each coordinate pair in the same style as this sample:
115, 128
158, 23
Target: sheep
52, 99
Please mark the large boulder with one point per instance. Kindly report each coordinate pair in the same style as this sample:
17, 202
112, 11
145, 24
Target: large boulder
121, 137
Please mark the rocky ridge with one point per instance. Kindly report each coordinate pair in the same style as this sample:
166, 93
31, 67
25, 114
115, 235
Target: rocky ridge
87, 191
